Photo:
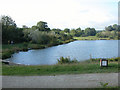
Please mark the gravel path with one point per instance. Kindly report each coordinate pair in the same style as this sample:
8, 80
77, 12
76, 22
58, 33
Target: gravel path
60, 81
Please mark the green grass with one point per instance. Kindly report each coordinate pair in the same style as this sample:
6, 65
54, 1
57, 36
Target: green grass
79, 68
90, 38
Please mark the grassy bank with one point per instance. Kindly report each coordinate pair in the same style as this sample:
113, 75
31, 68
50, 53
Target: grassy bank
75, 68
90, 38
8, 49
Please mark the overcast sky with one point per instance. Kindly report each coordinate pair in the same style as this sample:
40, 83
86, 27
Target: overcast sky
62, 13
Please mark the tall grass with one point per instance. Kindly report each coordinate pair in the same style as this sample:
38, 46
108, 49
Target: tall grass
67, 60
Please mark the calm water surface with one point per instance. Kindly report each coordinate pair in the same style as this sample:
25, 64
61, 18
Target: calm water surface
81, 50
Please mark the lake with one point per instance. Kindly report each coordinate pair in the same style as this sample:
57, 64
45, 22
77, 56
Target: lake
80, 50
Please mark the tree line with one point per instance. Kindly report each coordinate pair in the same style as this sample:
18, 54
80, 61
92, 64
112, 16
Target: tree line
111, 32
42, 34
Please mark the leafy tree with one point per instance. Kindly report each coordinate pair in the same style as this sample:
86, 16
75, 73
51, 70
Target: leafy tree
27, 33
24, 27
109, 28
42, 26
10, 32
7, 21
93, 32
98, 35
118, 29
57, 31
66, 30
87, 31
41, 37
110, 32
34, 28
115, 27
78, 29
83, 33
90, 32
73, 32
79, 32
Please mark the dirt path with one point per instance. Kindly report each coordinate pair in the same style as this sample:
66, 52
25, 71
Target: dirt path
60, 81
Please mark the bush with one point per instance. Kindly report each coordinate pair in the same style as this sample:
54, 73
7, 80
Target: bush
66, 60
7, 54
114, 59
109, 59
74, 61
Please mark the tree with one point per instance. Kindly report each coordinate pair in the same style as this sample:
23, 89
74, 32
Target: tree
66, 30
7, 21
87, 31
10, 32
93, 32
57, 31
42, 26
34, 28
118, 28
73, 32
115, 27
78, 29
41, 37
79, 32
8, 25
24, 27
98, 35
109, 28
90, 32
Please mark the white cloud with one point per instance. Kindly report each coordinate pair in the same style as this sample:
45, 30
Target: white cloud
62, 13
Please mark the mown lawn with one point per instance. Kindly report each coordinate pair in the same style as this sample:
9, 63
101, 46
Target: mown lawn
79, 68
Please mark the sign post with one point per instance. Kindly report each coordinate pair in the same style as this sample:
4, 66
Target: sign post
103, 63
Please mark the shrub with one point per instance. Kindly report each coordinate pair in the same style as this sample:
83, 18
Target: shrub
7, 54
66, 60
74, 61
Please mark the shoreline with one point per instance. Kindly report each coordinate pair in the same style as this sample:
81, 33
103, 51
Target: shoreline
15, 49
8, 52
